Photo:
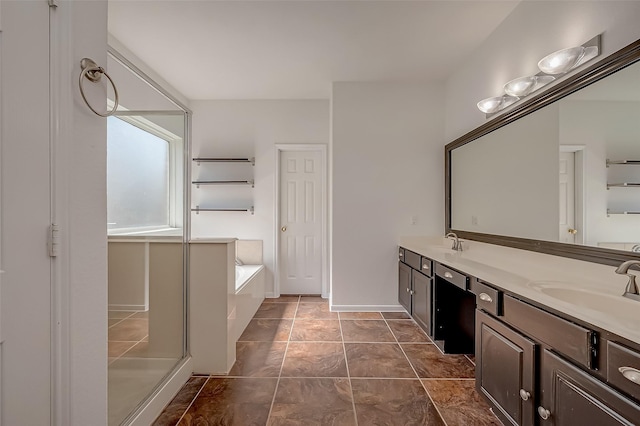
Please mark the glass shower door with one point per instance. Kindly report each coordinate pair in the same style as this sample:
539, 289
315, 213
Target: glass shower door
146, 248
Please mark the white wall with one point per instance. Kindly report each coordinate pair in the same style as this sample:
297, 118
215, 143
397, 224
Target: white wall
251, 129
387, 154
533, 30
83, 211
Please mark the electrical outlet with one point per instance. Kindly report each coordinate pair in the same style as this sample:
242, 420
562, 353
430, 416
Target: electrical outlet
474, 220
414, 220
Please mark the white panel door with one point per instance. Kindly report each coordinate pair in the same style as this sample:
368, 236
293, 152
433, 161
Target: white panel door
300, 251
567, 230
25, 294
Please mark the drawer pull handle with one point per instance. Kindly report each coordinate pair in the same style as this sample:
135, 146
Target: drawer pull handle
631, 374
524, 395
400, 255
543, 413
425, 266
408, 290
486, 298
448, 275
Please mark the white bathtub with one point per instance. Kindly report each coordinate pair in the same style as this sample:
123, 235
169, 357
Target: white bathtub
244, 274
249, 296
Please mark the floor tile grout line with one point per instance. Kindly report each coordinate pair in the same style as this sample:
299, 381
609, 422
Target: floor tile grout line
346, 363
126, 318
125, 352
193, 400
284, 357
434, 404
418, 377
472, 362
397, 342
113, 325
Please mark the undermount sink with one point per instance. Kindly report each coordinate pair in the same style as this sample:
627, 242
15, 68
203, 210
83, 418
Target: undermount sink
441, 248
613, 306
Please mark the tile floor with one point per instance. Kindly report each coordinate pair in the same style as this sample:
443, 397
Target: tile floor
132, 371
300, 364
128, 334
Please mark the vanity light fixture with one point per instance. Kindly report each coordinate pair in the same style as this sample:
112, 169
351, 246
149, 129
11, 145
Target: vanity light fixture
491, 105
551, 67
565, 60
524, 85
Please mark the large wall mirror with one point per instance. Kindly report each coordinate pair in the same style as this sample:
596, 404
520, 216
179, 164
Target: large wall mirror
559, 174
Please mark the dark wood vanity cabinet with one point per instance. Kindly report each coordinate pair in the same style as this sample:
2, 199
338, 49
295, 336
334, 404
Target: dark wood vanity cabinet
570, 396
505, 370
415, 287
536, 368
421, 303
404, 286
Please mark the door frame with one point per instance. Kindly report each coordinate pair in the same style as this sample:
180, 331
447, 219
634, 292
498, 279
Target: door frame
580, 162
322, 148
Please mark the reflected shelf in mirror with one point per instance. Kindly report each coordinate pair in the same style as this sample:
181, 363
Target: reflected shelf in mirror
623, 162
197, 183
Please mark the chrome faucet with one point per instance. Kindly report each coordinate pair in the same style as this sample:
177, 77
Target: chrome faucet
632, 288
457, 244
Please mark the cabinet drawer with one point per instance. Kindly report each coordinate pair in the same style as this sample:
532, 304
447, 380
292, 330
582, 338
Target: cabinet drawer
412, 259
400, 254
454, 277
426, 266
487, 298
564, 336
623, 369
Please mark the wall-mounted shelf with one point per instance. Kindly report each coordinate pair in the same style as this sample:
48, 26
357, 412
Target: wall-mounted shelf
199, 209
614, 212
623, 162
623, 185
197, 183
228, 175
199, 160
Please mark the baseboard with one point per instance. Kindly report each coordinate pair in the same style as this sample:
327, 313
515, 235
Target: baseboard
164, 395
127, 308
270, 295
367, 308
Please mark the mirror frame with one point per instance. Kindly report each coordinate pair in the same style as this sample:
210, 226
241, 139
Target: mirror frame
601, 69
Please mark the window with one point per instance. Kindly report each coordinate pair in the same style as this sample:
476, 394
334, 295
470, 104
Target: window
138, 177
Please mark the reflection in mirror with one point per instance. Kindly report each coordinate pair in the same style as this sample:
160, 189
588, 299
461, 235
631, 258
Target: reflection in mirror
568, 172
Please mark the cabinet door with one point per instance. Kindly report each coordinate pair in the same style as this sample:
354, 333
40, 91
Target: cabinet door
421, 304
505, 370
404, 286
569, 396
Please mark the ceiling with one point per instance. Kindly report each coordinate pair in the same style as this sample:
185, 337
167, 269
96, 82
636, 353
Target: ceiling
296, 49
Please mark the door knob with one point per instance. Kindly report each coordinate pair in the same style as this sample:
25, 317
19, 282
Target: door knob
572, 231
283, 229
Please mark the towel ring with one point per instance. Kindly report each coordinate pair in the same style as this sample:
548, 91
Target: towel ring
94, 73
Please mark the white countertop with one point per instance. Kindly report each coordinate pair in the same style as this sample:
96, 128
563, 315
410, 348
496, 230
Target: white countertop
144, 239
530, 274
